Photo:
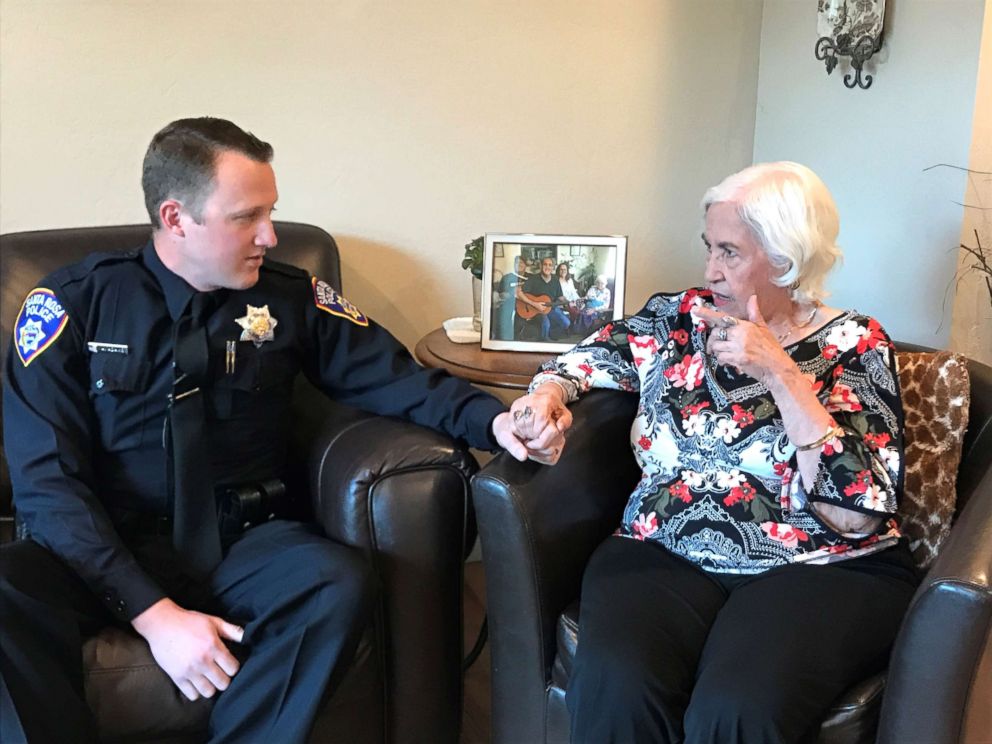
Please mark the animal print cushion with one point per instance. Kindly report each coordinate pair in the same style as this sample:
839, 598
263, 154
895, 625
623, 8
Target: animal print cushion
935, 395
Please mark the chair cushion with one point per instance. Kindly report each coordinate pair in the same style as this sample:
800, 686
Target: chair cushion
935, 396
133, 700
129, 694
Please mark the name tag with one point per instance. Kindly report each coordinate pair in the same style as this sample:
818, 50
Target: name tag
98, 347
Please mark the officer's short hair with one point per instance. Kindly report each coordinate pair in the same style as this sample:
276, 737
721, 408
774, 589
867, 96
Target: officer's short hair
179, 162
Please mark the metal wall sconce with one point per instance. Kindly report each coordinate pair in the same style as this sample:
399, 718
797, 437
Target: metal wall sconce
849, 28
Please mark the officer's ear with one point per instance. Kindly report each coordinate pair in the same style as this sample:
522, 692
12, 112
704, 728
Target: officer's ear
170, 216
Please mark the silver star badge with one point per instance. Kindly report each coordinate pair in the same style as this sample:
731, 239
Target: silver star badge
258, 325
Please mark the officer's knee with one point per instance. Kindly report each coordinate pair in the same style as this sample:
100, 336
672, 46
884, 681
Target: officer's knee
348, 587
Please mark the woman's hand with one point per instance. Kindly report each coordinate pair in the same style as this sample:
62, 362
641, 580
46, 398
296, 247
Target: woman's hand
538, 421
748, 345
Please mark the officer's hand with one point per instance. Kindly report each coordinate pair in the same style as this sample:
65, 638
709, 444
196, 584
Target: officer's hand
189, 647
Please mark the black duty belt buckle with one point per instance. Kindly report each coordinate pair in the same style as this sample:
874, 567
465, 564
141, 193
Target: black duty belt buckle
248, 505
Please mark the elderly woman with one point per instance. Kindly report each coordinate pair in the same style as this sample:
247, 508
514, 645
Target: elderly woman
758, 570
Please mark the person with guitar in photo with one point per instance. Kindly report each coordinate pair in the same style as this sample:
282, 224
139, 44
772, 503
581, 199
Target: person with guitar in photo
508, 289
540, 301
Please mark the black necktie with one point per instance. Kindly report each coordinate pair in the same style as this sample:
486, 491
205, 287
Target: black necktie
195, 533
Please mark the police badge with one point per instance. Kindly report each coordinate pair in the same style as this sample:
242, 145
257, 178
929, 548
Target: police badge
258, 325
40, 322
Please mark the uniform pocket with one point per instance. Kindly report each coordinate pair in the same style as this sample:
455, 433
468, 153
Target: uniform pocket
113, 373
119, 388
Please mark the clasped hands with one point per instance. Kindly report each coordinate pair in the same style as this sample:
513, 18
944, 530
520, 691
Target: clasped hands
534, 427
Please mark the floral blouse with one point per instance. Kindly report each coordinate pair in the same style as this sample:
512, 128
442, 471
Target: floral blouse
719, 483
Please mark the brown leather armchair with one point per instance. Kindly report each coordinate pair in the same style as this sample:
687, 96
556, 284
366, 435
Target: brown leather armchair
938, 688
396, 490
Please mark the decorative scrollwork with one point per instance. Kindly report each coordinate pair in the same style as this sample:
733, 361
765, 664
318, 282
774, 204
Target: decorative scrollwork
860, 52
826, 52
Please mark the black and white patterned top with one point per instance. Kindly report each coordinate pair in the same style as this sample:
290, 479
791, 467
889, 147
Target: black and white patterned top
719, 483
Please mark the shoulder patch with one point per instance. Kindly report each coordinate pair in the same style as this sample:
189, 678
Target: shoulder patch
331, 302
40, 321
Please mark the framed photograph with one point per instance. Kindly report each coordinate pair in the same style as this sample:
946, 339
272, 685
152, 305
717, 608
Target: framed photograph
548, 292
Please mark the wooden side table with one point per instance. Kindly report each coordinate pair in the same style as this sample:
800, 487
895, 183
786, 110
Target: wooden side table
504, 369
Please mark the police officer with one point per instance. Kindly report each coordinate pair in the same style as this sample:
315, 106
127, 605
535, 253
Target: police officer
124, 368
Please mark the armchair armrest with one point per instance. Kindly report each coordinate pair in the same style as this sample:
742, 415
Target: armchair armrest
538, 526
940, 675
399, 492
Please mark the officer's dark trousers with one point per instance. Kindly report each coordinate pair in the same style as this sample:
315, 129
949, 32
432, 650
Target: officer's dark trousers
670, 653
302, 600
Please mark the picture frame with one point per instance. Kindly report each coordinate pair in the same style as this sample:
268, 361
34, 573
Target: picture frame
597, 267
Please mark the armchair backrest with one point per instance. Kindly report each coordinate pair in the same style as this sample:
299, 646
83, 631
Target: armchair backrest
26, 257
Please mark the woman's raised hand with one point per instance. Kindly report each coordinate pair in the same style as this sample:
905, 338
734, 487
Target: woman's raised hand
747, 345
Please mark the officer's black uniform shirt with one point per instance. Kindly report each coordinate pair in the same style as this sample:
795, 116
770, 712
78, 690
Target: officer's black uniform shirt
85, 421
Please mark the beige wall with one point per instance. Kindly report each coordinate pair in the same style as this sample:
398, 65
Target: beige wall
403, 128
899, 222
971, 332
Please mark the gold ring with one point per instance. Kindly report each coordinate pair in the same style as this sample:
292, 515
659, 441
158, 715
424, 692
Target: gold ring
728, 321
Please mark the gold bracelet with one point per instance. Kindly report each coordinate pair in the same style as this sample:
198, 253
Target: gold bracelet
832, 431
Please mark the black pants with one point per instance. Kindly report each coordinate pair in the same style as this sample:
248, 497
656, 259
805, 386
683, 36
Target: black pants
670, 653
302, 600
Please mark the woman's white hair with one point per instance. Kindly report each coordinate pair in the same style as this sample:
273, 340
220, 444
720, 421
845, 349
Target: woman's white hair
793, 216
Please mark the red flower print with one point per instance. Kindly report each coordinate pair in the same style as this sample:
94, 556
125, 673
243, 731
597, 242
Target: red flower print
783, 470
842, 398
585, 369
742, 416
688, 373
604, 332
744, 492
689, 299
680, 490
695, 408
645, 525
870, 540
643, 342
642, 348
832, 446
875, 441
829, 351
838, 371
680, 335
860, 485
871, 337
644, 443
786, 534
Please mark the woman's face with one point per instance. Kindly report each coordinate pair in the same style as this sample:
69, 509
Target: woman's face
562, 271
736, 265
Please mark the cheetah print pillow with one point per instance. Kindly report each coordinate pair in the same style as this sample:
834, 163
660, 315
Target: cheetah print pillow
935, 395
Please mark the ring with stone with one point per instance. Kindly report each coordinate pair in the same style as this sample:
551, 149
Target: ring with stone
728, 321
722, 334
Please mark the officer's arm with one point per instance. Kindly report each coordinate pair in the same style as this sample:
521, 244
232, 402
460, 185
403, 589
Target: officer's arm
49, 433
359, 363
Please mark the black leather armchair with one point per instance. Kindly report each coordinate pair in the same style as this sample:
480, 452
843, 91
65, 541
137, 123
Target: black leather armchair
938, 687
395, 490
